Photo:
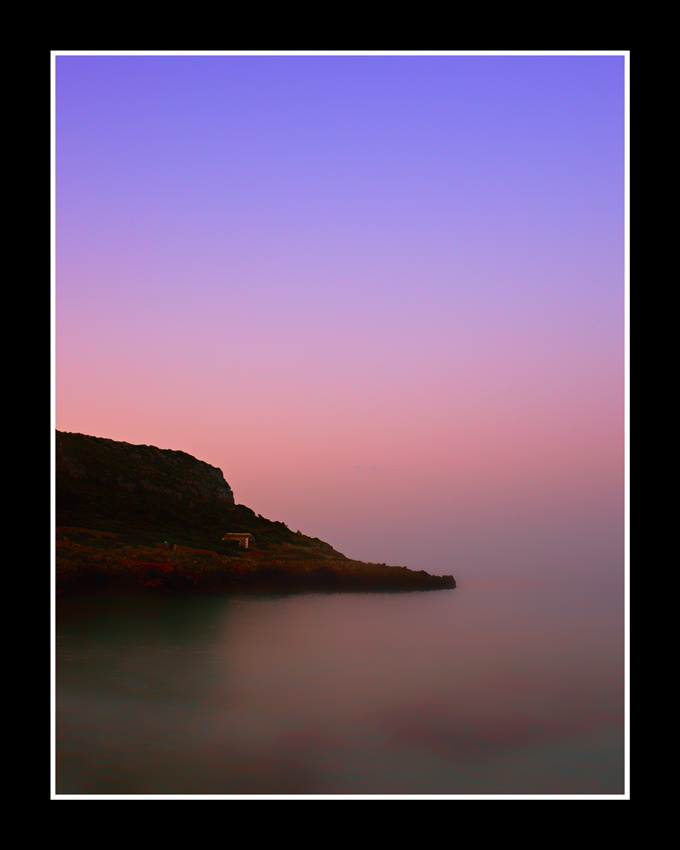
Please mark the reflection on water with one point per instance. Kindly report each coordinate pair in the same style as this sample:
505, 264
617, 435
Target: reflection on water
471, 691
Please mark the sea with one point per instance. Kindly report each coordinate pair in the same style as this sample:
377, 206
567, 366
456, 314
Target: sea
497, 689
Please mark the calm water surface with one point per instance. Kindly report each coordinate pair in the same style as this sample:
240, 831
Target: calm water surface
495, 689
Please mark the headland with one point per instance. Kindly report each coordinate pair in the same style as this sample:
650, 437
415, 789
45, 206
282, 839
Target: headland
136, 518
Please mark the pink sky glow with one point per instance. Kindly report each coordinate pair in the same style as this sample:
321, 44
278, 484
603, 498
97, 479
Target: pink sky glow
383, 294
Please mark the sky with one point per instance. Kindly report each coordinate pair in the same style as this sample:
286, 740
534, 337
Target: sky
384, 294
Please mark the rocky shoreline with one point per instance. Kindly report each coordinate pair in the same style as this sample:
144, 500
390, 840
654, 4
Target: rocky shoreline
90, 561
149, 520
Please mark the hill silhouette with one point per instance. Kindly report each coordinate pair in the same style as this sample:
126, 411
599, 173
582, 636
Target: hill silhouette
143, 518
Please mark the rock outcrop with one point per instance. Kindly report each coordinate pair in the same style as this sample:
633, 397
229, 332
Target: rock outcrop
140, 518
97, 477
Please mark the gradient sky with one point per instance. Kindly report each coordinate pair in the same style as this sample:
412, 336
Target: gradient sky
385, 295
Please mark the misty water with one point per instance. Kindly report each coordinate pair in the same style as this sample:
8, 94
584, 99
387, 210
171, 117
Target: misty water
491, 689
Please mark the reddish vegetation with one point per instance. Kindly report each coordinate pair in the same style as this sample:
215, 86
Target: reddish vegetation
145, 519
99, 562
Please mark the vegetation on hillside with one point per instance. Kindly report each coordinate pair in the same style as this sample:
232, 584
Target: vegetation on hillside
139, 518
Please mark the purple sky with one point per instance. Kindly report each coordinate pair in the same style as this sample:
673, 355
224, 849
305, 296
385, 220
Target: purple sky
384, 294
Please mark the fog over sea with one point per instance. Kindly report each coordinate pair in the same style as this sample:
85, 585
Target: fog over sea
511, 689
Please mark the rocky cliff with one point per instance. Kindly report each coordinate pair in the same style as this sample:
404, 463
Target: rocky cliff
142, 485
133, 517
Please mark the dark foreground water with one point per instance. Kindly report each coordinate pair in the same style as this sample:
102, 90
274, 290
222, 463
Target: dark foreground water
483, 690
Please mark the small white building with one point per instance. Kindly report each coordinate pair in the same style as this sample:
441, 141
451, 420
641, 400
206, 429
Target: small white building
244, 539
